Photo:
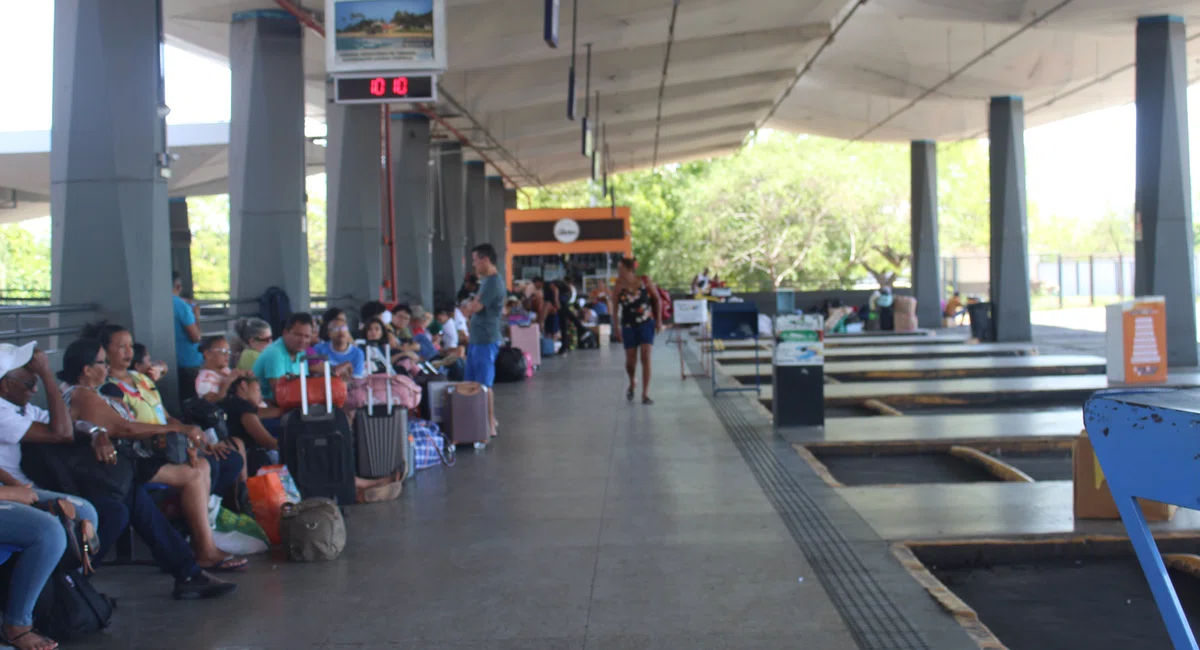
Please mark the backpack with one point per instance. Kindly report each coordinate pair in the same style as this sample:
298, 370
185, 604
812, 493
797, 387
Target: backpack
69, 607
312, 530
510, 365
206, 415
275, 307
668, 307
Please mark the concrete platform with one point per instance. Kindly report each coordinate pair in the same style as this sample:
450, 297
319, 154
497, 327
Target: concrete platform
881, 353
969, 510
872, 339
1007, 391
943, 368
953, 426
590, 522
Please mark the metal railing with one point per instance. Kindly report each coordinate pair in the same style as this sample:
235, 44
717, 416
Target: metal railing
15, 323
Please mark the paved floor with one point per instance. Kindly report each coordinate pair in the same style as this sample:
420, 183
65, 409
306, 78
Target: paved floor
590, 523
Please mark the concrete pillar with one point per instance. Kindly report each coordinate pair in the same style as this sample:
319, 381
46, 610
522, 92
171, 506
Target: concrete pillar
108, 194
926, 267
181, 243
476, 211
352, 167
495, 219
268, 243
1163, 236
449, 243
510, 198
1010, 242
414, 214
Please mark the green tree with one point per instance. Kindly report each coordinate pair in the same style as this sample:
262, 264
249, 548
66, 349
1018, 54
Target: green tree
25, 249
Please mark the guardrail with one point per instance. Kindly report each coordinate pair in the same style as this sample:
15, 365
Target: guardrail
20, 331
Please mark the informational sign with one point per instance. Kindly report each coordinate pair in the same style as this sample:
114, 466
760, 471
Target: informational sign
799, 340
691, 312
375, 89
1136, 341
566, 231
385, 36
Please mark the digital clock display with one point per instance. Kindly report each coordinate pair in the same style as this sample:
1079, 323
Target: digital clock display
378, 89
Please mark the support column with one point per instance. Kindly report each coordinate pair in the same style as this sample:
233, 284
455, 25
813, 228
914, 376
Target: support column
181, 243
108, 194
495, 219
1163, 236
354, 212
926, 267
476, 211
449, 243
414, 216
1010, 243
268, 242
510, 203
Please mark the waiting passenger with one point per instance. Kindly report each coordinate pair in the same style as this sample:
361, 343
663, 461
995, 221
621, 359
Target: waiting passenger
338, 348
85, 371
142, 363
215, 377
375, 335
284, 357
245, 408
377, 310
254, 335
40, 537
140, 395
187, 334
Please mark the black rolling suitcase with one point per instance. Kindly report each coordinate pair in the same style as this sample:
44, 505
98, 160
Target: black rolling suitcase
318, 447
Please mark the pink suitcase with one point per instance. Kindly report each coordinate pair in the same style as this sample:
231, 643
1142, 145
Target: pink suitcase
528, 339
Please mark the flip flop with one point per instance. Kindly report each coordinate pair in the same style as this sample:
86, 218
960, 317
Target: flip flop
629, 395
230, 564
647, 401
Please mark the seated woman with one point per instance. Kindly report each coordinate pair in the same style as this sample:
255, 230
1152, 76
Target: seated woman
338, 348
214, 378
254, 334
85, 372
373, 333
141, 396
40, 537
245, 408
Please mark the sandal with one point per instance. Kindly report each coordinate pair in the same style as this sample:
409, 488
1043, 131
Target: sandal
12, 641
647, 401
230, 564
629, 395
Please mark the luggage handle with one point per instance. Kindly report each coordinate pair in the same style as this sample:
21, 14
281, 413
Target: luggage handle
304, 389
328, 389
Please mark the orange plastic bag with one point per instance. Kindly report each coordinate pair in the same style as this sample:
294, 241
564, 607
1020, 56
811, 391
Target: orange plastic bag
267, 497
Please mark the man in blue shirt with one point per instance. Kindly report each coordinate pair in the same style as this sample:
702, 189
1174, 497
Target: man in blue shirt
485, 311
187, 338
286, 355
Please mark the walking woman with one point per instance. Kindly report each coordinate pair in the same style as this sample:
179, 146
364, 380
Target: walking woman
641, 318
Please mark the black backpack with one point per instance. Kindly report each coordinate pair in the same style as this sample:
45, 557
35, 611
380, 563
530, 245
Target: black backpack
206, 415
275, 307
69, 607
510, 365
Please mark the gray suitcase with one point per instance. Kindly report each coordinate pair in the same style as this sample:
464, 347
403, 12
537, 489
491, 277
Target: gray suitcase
381, 434
466, 415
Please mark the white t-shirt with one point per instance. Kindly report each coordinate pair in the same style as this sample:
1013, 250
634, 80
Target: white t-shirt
13, 426
450, 334
460, 321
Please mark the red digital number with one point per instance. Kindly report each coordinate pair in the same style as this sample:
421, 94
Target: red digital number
400, 86
378, 86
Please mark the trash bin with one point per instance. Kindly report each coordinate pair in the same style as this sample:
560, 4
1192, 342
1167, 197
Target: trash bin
980, 314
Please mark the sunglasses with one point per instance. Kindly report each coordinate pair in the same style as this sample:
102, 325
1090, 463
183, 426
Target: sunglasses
262, 339
221, 350
100, 362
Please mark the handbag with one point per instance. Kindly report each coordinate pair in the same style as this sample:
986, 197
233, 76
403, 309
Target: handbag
82, 539
171, 446
288, 393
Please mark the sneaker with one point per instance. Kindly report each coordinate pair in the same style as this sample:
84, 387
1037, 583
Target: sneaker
202, 586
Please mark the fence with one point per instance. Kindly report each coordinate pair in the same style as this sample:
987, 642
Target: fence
1054, 279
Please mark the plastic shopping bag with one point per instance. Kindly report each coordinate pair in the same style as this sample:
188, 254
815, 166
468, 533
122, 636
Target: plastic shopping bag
267, 497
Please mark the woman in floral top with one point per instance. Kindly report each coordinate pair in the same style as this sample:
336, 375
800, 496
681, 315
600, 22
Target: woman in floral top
640, 314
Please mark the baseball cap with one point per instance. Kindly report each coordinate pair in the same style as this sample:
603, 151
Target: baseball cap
13, 357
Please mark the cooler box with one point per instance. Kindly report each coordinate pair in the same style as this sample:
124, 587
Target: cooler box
1093, 500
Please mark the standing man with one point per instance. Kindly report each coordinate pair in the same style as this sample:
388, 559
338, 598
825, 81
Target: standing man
485, 311
187, 339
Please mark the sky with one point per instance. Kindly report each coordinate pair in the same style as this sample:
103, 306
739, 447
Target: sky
1076, 167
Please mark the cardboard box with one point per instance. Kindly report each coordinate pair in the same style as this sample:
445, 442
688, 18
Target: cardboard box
1093, 500
691, 312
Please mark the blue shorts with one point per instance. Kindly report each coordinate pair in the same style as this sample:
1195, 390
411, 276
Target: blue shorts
481, 363
639, 335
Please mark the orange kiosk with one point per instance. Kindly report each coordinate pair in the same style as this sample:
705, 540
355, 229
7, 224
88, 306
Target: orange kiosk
558, 232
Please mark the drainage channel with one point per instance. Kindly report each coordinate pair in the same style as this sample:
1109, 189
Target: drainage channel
872, 616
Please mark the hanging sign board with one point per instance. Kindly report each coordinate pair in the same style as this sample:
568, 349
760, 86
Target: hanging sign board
385, 36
